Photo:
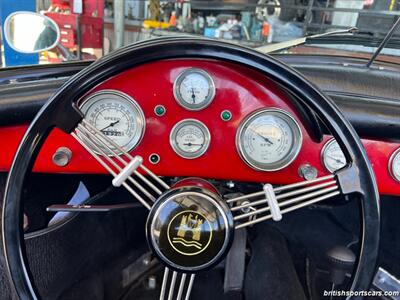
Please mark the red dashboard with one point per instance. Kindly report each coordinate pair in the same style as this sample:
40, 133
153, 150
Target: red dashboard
238, 90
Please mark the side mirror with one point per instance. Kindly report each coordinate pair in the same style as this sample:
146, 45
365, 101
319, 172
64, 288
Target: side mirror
29, 32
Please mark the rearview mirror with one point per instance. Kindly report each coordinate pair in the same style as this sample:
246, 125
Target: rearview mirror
29, 32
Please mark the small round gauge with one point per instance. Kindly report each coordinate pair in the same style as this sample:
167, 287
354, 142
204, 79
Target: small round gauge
332, 156
194, 89
190, 138
394, 165
269, 139
117, 116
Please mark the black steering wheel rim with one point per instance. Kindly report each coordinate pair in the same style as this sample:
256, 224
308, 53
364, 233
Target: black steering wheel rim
60, 112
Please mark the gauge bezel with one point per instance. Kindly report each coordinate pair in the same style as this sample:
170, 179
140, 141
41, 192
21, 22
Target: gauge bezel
139, 116
289, 158
178, 97
201, 126
390, 164
323, 151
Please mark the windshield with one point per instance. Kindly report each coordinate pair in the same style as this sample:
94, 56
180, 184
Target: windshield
78, 30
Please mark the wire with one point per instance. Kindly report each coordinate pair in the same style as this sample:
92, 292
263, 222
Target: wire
385, 40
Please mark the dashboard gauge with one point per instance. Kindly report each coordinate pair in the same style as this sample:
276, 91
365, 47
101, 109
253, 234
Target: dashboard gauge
190, 138
332, 156
117, 116
394, 165
194, 89
269, 139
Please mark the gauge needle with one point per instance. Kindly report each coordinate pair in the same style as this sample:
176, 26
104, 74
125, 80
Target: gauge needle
193, 96
263, 137
336, 159
192, 144
111, 125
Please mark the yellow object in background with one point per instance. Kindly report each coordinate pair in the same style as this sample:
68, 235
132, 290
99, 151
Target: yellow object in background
149, 24
392, 3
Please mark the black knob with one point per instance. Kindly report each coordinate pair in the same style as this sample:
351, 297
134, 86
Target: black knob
341, 261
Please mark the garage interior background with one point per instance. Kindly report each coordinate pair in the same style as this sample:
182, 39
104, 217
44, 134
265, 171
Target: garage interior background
92, 28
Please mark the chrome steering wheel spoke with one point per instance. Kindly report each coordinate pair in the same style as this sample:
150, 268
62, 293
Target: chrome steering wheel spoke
168, 290
126, 169
272, 203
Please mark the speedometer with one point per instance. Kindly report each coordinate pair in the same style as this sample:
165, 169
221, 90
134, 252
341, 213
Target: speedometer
117, 116
269, 139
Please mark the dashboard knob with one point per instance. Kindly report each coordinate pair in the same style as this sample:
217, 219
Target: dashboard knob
308, 172
62, 156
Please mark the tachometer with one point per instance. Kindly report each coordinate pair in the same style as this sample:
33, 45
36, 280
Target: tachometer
190, 138
394, 165
194, 89
332, 156
117, 116
269, 139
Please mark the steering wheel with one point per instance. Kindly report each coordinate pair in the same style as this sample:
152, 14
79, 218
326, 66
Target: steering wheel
193, 205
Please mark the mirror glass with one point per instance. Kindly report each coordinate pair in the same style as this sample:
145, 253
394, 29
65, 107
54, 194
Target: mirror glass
29, 32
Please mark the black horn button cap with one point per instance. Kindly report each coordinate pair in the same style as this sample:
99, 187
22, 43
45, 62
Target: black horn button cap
190, 229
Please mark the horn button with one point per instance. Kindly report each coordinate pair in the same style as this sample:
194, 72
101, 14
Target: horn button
190, 229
